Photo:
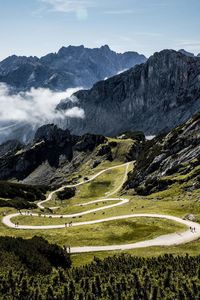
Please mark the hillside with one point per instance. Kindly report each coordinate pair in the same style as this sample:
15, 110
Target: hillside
92, 206
168, 160
152, 97
55, 154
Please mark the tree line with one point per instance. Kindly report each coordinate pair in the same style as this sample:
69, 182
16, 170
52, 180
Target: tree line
118, 277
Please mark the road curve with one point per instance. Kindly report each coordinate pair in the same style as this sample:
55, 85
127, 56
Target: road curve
7, 219
164, 240
120, 201
40, 204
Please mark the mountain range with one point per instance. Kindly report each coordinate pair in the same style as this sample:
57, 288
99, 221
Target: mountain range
70, 67
154, 96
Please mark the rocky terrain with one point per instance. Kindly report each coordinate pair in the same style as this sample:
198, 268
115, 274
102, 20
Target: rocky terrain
152, 97
69, 67
183, 51
169, 159
55, 154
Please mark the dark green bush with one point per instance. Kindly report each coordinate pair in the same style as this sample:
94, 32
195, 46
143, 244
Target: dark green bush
66, 193
36, 254
10, 190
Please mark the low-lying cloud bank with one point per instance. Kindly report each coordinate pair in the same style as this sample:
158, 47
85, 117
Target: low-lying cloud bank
35, 107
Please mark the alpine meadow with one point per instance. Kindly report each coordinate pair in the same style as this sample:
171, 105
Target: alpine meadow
99, 150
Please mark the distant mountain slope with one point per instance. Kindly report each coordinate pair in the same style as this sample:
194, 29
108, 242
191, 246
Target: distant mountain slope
183, 51
170, 159
152, 97
71, 67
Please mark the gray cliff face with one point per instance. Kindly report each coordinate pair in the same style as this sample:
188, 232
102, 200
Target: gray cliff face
70, 67
169, 159
152, 97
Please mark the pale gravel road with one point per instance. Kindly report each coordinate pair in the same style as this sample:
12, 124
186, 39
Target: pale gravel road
164, 240
40, 204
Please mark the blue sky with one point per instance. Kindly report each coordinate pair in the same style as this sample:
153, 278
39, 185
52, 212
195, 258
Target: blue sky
37, 27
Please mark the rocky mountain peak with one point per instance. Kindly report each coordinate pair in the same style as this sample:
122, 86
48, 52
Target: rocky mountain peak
70, 50
51, 133
105, 48
183, 51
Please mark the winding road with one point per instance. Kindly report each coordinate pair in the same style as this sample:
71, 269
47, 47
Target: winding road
164, 240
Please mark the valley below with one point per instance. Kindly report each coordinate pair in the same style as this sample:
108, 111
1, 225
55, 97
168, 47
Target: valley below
105, 216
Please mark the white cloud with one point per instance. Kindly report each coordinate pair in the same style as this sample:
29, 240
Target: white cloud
75, 112
35, 107
79, 7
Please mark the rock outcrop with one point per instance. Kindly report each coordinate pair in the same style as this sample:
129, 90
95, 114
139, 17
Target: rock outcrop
169, 159
89, 141
183, 51
49, 144
53, 154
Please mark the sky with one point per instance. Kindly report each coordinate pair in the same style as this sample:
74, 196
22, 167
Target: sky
38, 27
